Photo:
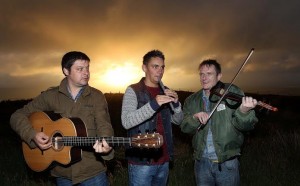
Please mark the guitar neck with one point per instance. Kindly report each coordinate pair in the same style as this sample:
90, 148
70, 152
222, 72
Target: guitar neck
88, 141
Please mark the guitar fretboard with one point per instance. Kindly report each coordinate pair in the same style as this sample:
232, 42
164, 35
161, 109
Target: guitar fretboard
87, 141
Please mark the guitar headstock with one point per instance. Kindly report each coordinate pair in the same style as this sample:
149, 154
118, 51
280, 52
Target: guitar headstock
151, 140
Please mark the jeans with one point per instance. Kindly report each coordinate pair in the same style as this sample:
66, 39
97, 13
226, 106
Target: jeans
148, 175
99, 180
209, 173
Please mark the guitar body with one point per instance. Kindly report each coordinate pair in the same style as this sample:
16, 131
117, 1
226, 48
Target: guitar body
67, 135
53, 127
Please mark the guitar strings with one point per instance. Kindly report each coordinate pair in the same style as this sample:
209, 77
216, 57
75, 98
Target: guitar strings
84, 141
79, 141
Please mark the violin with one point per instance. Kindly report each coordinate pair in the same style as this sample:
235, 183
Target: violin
236, 99
225, 95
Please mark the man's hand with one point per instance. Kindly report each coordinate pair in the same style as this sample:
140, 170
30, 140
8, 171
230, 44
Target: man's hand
102, 147
169, 96
248, 103
202, 117
172, 94
42, 141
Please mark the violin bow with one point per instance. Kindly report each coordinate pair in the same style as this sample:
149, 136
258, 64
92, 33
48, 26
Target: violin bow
226, 91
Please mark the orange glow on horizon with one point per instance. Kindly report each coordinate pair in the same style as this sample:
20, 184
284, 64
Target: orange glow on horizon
116, 78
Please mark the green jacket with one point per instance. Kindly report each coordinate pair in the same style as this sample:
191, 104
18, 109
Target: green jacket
227, 127
90, 107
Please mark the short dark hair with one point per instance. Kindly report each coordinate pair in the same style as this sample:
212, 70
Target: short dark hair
210, 62
69, 58
151, 54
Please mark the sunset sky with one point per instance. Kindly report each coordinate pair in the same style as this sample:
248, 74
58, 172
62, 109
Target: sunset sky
115, 34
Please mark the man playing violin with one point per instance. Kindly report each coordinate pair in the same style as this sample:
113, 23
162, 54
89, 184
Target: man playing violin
217, 143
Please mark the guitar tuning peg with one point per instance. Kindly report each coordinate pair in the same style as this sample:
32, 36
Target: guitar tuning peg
147, 131
154, 130
139, 132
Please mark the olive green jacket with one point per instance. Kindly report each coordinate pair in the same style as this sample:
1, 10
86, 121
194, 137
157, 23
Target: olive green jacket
90, 107
227, 126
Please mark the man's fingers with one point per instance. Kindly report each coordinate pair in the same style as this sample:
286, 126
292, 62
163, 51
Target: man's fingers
162, 99
102, 146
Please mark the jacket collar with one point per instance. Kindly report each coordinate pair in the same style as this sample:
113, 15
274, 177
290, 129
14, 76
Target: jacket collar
64, 89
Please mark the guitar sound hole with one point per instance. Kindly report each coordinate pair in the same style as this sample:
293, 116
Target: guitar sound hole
57, 141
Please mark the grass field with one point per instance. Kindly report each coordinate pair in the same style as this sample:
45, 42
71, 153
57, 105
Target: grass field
270, 155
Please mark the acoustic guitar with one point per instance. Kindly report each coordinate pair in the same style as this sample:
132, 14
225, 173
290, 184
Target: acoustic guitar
68, 135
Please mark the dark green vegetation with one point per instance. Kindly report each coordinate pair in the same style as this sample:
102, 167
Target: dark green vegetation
270, 156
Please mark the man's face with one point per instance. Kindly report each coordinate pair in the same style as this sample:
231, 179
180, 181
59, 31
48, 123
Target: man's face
209, 77
79, 73
154, 70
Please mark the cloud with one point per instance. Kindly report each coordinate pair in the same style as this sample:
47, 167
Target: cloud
35, 35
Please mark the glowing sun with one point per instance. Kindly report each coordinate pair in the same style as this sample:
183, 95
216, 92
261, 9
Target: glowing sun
121, 76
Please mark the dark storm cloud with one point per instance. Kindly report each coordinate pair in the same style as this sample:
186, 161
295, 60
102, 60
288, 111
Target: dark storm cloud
35, 34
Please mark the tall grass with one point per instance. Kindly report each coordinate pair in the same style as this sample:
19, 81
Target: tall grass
272, 160
270, 156
266, 160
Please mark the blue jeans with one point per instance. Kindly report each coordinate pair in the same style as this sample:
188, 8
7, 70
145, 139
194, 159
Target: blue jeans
99, 180
224, 174
148, 175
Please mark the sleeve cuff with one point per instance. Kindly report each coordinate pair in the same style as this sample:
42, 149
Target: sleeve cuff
154, 105
176, 104
109, 156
